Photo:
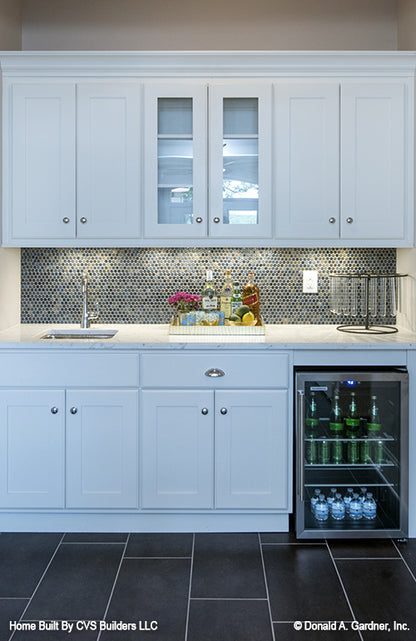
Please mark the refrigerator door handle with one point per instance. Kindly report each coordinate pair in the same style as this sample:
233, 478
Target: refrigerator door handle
301, 442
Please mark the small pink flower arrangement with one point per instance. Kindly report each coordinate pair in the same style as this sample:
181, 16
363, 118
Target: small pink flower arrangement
185, 302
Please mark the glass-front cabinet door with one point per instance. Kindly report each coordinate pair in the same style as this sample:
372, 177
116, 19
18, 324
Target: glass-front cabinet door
240, 160
175, 160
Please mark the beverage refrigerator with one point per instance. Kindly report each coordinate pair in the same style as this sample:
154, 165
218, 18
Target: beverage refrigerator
352, 452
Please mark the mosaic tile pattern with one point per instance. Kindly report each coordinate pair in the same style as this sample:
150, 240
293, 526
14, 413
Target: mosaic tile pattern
133, 285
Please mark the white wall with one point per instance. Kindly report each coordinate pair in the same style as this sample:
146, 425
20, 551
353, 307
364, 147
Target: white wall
213, 24
10, 39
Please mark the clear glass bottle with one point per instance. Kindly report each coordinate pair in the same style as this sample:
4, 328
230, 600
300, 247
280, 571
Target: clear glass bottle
352, 422
347, 499
373, 419
338, 508
226, 295
209, 295
314, 499
356, 508
236, 298
331, 497
251, 297
336, 428
311, 430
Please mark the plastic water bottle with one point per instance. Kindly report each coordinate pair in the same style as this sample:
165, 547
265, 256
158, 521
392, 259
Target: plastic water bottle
347, 499
363, 494
338, 508
331, 497
314, 499
321, 509
356, 507
369, 507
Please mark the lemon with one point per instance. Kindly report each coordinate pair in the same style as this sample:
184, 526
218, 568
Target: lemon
248, 318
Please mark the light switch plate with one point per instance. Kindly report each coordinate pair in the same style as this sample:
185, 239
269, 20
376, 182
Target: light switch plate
310, 281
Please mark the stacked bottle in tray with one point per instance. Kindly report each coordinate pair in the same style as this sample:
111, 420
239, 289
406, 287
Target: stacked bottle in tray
352, 505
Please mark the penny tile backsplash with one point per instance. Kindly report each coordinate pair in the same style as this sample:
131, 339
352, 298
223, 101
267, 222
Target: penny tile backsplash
133, 285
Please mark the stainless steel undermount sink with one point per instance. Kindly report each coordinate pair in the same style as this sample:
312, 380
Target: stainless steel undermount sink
79, 334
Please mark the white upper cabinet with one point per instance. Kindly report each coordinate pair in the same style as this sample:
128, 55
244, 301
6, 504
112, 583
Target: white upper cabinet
175, 143
375, 143
307, 160
240, 160
179, 164
39, 163
108, 163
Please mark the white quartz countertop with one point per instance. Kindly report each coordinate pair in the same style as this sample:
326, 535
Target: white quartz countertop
157, 337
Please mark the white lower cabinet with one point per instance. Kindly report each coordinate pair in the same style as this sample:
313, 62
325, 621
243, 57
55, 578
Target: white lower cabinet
215, 449
101, 449
87, 445
32, 455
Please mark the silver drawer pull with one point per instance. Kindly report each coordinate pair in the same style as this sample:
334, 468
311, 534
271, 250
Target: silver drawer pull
204, 411
198, 219
73, 410
83, 220
54, 410
65, 220
350, 220
215, 373
217, 220
223, 411
332, 220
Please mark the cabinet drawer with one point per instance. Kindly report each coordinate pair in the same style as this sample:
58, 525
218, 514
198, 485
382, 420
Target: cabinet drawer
244, 370
63, 369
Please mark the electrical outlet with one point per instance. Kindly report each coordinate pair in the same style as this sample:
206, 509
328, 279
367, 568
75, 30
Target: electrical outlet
310, 281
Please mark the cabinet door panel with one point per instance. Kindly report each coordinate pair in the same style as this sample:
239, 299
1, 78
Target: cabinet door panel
108, 151
32, 448
373, 161
101, 448
177, 449
307, 160
251, 449
240, 160
42, 153
175, 143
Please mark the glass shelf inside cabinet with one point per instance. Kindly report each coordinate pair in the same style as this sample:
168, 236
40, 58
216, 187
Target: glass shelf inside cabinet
240, 161
175, 161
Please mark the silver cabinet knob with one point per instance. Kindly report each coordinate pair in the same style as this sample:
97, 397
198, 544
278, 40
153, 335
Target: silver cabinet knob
65, 220
350, 220
73, 410
54, 410
83, 220
223, 411
204, 411
214, 372
332, 220
217, 220
198, 219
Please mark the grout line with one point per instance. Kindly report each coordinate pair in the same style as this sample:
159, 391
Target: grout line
190, 588
93, 542
367, 558
157, 557
114, 583
343, 586
322, 543
266, 587
404, 560
38, 584
219, 598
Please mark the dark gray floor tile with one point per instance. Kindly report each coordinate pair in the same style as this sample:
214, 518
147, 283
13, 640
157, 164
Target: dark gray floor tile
237, 620
23, 559
287, 632
78, 582
10, 610
159, 545
57, 634
151, 590
380, 591
95, 537
374, 549
286, 537
227, 566
408, 551
303, 584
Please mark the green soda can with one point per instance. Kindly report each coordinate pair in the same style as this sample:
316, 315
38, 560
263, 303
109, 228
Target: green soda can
353, 452
325, 452
365, 451
337, 452
378, 452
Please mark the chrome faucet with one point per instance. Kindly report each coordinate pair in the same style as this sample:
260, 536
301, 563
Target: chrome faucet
87, 316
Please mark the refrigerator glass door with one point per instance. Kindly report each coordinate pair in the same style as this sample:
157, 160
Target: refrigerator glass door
352, 438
